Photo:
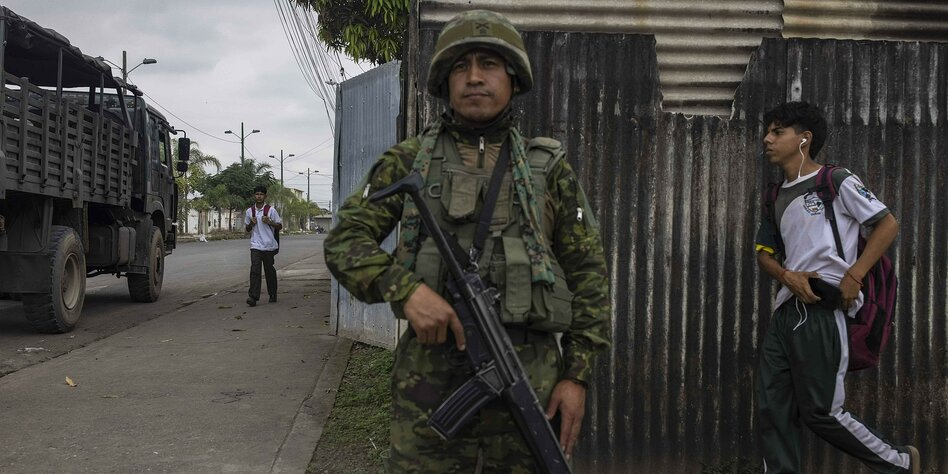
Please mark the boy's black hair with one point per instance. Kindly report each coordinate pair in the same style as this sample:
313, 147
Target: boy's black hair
802, 117
260, 189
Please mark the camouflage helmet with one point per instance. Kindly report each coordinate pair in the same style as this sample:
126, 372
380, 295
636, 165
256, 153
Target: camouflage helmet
474, 29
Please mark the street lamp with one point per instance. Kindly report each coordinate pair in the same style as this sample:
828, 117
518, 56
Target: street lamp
242, 137
308, 173
281, 164
124, 67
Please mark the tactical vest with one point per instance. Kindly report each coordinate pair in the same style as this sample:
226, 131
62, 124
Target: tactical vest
455, 193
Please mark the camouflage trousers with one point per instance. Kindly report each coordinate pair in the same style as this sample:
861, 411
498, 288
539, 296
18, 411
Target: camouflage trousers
425, 375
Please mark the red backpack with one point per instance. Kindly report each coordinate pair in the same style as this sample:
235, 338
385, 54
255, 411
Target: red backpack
276, 232
870, 329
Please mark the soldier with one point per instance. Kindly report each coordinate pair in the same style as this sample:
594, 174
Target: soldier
541, 250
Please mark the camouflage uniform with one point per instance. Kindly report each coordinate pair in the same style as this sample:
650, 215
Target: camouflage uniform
425, 375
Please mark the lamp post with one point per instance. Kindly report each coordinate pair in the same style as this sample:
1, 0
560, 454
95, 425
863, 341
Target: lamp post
308, 173
281, 164
242, 138
126, 71
124, 68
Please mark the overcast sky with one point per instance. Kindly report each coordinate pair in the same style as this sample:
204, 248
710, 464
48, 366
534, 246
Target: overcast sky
220, 62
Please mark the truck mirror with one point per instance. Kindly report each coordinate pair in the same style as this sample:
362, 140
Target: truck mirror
182, 167
184, 149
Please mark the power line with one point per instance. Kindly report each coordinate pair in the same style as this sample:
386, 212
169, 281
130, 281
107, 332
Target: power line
312, 57
152, 99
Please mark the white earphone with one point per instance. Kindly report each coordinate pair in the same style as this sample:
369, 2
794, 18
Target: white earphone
802, 141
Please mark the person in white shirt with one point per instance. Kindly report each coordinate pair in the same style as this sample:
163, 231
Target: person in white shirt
805, 351
263, 244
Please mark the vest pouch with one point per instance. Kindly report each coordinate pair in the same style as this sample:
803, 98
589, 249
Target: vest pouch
459, 197
430, 266
516, 288
553, 305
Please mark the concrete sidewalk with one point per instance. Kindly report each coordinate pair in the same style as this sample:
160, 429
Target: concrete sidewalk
216, 386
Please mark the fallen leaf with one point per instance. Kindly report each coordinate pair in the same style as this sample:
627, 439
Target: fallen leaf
225, 306
70, 382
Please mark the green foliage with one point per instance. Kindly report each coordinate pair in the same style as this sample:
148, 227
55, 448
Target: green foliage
192, 180
356, 436
365, 30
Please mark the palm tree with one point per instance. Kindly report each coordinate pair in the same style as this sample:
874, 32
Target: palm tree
218, 198
189, 180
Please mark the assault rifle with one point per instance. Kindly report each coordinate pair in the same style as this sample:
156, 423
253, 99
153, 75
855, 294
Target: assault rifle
498, 371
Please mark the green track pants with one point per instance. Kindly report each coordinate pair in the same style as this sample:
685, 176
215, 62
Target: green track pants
800, 381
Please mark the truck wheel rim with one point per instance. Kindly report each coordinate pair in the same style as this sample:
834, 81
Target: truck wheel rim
158, 263
71, 286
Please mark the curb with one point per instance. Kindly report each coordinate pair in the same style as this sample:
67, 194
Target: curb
297, 449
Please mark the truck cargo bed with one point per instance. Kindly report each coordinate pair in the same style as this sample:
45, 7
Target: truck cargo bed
60, 149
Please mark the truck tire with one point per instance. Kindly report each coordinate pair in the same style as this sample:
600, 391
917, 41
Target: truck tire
146, 287
58, 310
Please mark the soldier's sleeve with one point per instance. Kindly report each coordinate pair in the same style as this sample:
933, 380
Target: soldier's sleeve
577, 245
352, 249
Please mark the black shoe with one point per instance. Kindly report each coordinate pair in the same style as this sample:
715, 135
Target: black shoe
251, 302
273, 299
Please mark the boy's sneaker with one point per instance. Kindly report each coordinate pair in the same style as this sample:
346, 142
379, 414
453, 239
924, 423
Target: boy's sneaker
273, 298
915, 467
251, 302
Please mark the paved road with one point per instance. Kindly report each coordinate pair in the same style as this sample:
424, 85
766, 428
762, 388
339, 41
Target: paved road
194, 271
192, 383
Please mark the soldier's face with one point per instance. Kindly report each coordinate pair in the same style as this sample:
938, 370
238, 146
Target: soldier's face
479, 86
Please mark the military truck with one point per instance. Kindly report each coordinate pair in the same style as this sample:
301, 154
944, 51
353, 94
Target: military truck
86, 177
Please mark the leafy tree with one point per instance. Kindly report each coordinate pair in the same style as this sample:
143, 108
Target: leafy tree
238, 181
369, 30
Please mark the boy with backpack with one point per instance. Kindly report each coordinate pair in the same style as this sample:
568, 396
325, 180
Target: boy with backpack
264, 244
805, 352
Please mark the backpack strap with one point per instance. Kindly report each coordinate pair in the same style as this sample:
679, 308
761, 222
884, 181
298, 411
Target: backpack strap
266, 210
827, 188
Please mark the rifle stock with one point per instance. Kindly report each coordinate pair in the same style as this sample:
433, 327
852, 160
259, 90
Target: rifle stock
498, 370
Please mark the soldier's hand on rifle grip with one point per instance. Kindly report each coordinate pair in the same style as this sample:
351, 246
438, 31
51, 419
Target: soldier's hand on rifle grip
569, 398
431, 316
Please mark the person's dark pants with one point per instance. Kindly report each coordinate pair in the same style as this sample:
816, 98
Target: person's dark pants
800, 381
266, 258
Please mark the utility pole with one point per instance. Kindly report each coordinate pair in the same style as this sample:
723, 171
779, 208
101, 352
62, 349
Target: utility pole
242, 138
308, 173
281, 164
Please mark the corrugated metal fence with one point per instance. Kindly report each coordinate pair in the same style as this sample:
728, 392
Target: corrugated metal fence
678, 201
703, 45
368, 122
